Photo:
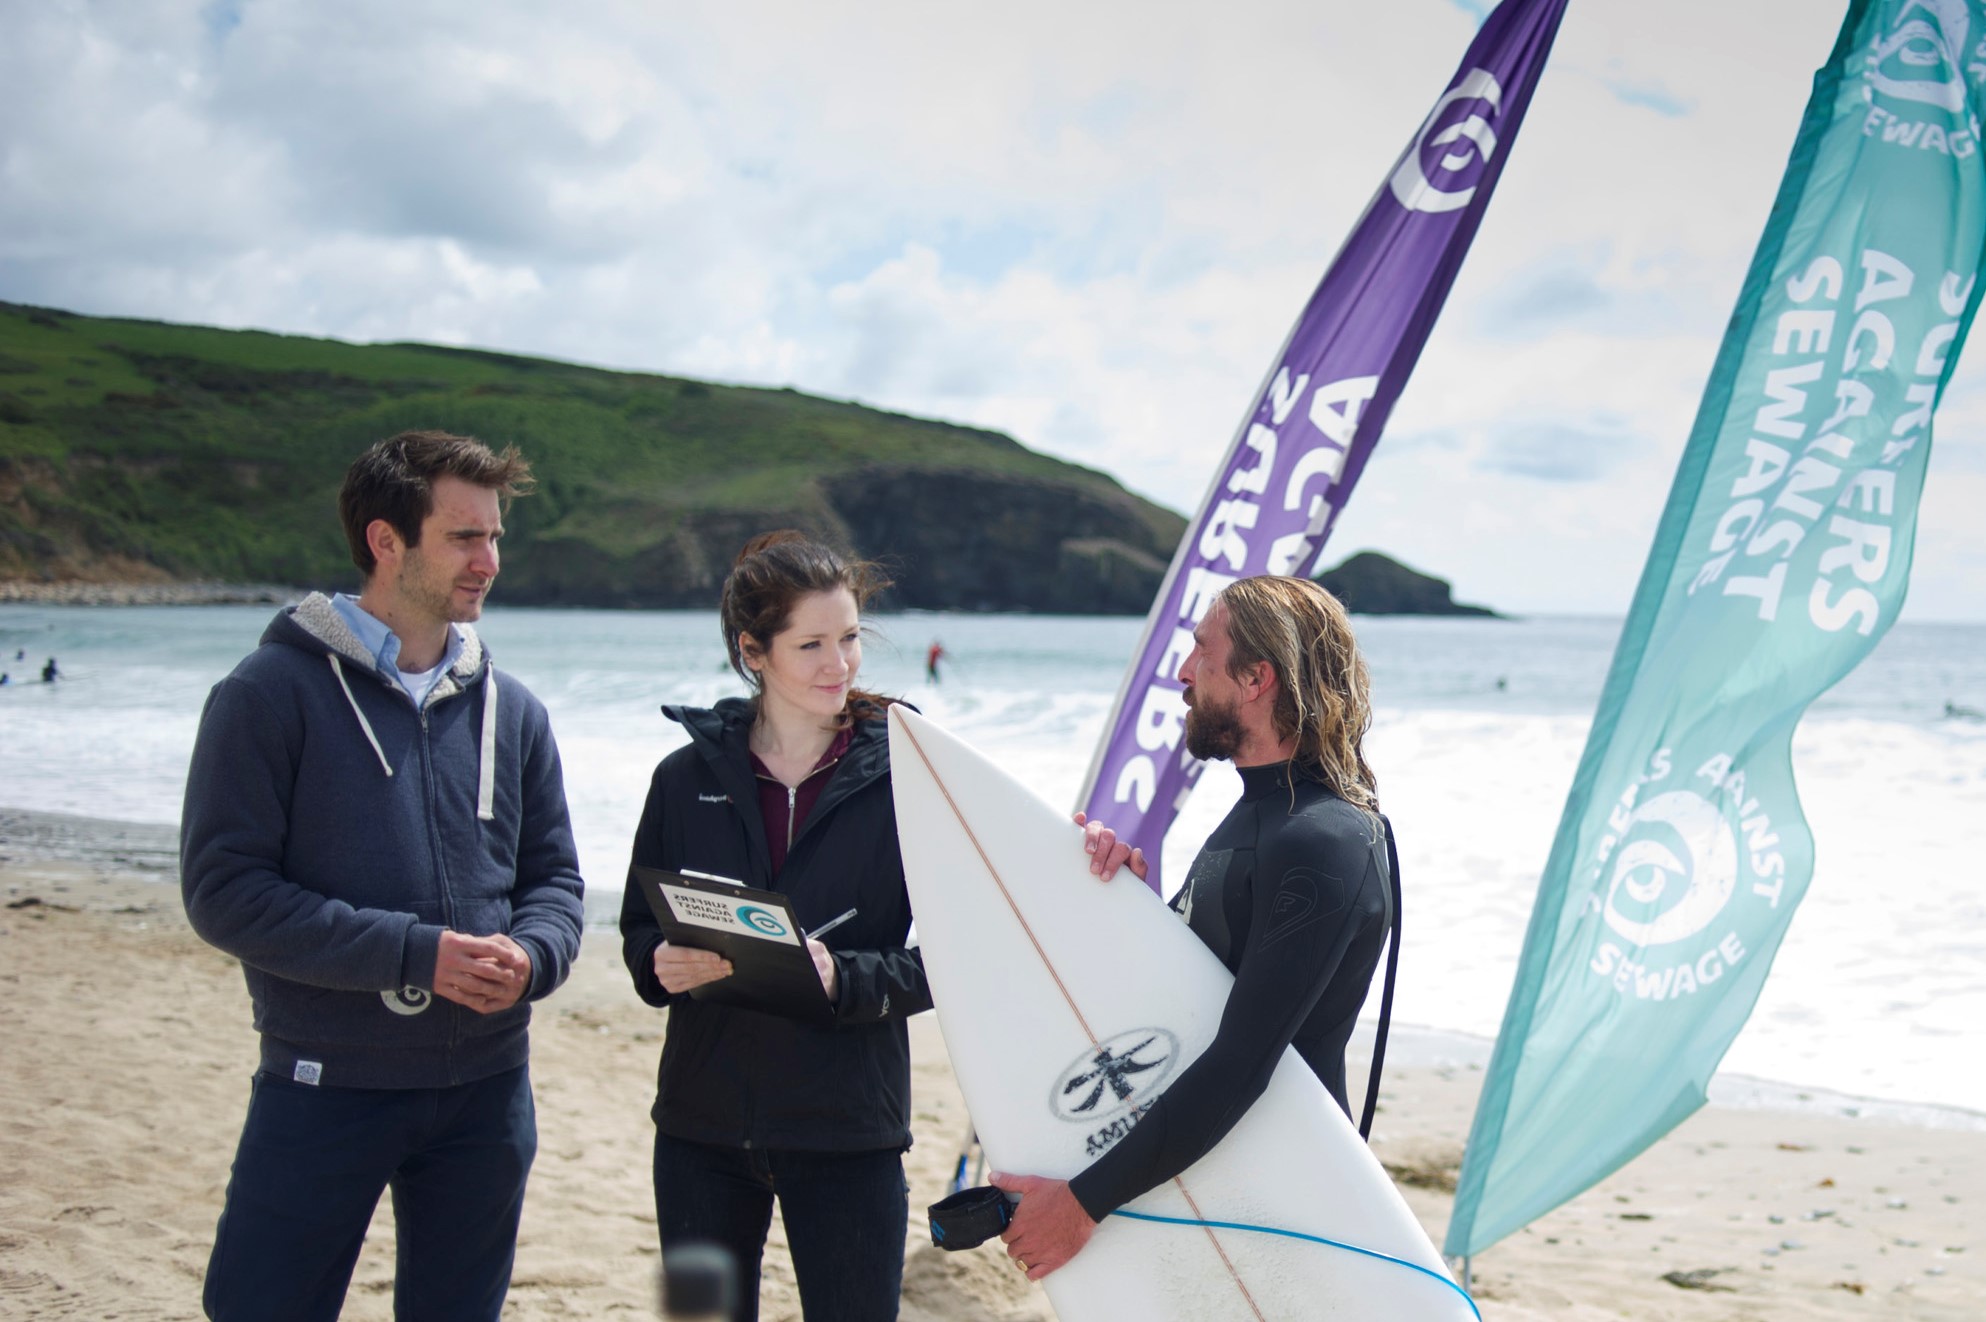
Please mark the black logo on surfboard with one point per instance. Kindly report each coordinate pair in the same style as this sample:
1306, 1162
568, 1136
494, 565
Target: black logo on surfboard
1115, 1076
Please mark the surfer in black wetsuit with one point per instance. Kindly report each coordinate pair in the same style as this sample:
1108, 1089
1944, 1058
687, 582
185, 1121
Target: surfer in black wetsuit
1291, 892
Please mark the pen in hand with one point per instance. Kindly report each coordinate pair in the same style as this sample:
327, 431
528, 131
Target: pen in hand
830, 925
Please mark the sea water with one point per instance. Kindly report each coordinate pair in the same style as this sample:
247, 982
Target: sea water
1878, 992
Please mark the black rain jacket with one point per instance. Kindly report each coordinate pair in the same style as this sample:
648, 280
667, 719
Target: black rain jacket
741, 1078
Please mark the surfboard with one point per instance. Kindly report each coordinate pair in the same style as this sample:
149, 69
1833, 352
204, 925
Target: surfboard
1067, 1004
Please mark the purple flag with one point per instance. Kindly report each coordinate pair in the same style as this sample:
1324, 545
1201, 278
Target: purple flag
1314, 423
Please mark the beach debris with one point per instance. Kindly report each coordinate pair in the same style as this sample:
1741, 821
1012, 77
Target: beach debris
1897, 1203
1827, 1183
35, 902
1637, 1216
1796, 1147
1903, 1243
1776, 1219
1853, 1287
1817, 1214
1437, 1168
1791, 1245
1701, 1278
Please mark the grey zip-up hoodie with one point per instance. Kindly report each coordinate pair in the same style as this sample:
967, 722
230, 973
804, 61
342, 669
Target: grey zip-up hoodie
332, 831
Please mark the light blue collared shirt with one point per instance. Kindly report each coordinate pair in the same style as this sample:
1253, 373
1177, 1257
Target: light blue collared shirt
384, 645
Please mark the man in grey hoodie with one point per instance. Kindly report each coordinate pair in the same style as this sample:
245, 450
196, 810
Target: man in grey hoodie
375, 825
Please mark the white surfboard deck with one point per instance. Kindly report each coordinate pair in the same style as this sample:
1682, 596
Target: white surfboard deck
1037, 968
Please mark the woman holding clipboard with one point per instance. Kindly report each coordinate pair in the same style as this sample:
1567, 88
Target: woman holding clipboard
787, 790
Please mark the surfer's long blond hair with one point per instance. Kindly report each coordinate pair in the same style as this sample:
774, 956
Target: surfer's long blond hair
1323, 693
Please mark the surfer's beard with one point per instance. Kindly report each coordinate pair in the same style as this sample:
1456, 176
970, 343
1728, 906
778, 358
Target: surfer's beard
1213, 732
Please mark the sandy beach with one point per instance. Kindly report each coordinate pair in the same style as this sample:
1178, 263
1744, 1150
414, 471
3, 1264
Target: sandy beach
125, 1053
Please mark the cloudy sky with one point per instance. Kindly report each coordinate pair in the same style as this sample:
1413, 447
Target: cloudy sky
1088, 224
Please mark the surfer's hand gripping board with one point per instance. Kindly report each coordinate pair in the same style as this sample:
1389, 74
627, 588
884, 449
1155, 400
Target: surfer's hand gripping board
1043, 979
1108, 853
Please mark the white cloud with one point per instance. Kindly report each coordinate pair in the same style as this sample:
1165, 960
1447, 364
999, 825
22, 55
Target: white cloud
1087, 225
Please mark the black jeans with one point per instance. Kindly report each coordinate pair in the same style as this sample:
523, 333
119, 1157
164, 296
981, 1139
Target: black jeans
310, 1168
845, 1214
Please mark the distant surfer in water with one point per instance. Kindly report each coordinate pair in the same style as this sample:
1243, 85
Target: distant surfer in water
787, 790
932, 655
1291, 891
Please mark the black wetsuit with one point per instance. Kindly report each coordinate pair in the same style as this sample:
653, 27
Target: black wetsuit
1294, 898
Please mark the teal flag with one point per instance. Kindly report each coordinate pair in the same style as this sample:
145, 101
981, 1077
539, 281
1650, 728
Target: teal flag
1780, 560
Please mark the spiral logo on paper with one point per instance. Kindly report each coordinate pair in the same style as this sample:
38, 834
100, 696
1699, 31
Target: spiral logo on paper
1115, 1076
407, 1000
1915, 79
760, 921
1466, 143
1674, 872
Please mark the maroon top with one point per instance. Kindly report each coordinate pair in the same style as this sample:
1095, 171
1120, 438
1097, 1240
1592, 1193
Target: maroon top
785, 810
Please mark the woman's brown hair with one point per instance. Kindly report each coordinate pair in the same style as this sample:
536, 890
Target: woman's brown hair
769, 577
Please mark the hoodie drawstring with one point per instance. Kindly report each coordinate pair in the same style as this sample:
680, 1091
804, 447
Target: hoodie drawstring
364, 724
486, 773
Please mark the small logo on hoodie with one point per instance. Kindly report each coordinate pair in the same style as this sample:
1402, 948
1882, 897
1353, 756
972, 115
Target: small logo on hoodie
713, 798
407, 1000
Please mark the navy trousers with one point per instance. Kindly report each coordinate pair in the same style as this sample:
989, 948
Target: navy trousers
845, 1215
309, 1171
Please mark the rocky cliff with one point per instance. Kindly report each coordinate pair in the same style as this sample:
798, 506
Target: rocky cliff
143, 453
1372, 584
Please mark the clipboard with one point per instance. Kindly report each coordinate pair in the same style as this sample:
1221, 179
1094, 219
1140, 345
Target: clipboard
771, 970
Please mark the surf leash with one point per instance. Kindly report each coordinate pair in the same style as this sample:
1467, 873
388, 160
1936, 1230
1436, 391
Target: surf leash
1392, 970
1313, 1239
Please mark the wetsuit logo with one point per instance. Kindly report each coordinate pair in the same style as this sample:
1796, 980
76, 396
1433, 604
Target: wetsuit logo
1466, 141
1115, 1076
760, 921
407, 1000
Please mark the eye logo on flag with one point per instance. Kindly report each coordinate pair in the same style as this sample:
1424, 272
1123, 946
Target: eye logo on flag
1666, 880
1476, 134
1675, 872
1920, 58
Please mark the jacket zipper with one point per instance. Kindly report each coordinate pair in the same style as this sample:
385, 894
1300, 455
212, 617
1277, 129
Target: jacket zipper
793, 794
